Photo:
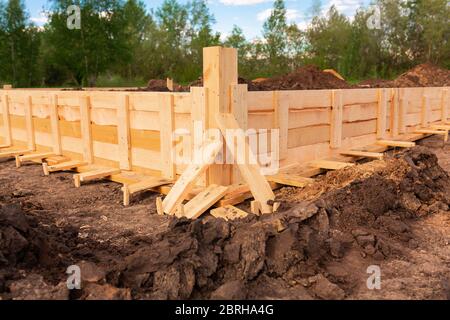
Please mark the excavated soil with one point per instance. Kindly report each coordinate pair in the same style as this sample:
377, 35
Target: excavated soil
423, 75
393, 214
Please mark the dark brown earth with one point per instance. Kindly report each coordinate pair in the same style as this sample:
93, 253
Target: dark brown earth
423, 75
309, 77
392, 213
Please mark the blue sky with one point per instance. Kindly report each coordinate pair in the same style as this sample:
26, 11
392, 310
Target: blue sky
248, 14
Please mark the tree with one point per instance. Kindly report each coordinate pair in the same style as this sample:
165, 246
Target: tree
99, 44
18, 55
274, 32
328, 38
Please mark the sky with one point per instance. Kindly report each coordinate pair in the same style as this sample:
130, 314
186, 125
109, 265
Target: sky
248, 14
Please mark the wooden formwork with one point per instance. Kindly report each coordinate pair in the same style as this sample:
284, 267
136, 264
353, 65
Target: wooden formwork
128, 137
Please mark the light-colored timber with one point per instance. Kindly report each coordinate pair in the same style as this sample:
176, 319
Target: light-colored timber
229, 213
330, 165
94, 175
363, 154
33, 157
399, 144
147, 133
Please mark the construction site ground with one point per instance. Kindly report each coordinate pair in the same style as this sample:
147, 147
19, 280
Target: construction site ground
391, 213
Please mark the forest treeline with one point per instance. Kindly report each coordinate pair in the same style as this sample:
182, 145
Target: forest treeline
123, 43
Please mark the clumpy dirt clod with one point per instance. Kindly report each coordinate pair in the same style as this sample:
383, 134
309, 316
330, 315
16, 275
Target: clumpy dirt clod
319, 247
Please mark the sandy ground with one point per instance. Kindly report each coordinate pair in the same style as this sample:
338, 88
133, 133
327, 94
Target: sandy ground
90, 224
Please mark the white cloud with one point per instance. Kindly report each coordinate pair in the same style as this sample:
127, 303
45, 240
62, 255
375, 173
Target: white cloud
346, 7
291, 14
242, 2
41, 20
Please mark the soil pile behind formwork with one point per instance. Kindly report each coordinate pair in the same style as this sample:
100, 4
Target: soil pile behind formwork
285, 255
305, 78
423, 75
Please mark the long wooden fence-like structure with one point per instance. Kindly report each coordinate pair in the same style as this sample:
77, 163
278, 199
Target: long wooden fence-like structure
134, 131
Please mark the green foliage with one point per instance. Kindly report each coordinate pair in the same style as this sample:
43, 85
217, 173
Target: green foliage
121, 43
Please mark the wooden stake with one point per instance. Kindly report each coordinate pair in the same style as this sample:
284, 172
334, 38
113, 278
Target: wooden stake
54, 119
167, 120
6, 120
336, 119
86, 130
444, 105
381, 114
29, 123
395, 114
124, 133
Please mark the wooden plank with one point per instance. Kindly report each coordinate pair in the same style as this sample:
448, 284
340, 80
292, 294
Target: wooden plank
31, 140
437, 132
147, 184
330, 165
124, 133
403, 111
199, 120
229, 213
63, 166
32, 157
54, 119
281, 122
399, 144
203, 201
220, 70
337, 110
167, 119
363, 154
440, 127
86, 130
382, 114
250, 171
290, 179
6, 120
395, 113
186, 182
94, 175
425, 115
13, 153
239, 108
444, 104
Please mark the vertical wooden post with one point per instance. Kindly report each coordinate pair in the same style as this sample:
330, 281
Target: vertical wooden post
6, 120
394, 113
29, 123
167, 120
337, 110
86, 130
425, 111
220, 71
123, 130
199, 117
381, 114
403, 110
444, 105
54, 119
281, 121
239, 108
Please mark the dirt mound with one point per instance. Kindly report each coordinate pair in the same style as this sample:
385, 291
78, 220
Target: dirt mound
317, 248
423, 75
305, 78
283, 255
